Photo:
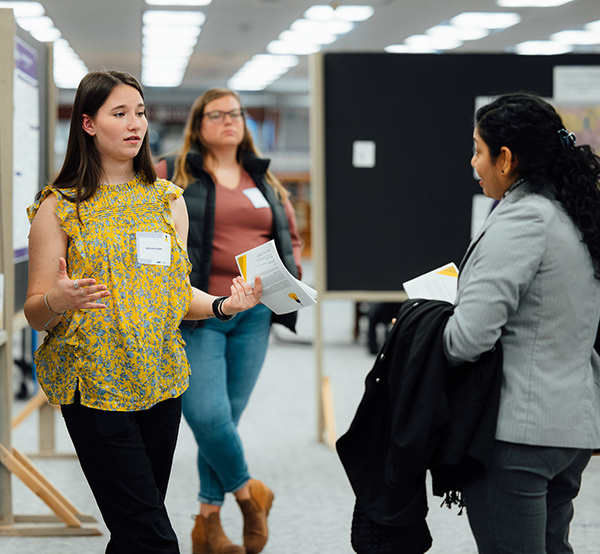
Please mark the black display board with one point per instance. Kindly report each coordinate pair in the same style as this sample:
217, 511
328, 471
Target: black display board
411, 212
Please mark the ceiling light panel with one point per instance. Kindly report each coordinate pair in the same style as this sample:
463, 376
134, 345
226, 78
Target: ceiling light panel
315, 38
593, 26
321, 25
542, 48
336, 27
449, 35
486, 20
183, 3
168, 41
423, 43
341, 13
576, 37
292, 48
164, 18
531, 3
404, 49
24, 9
459, 33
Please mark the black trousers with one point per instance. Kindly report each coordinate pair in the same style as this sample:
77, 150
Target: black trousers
126, 458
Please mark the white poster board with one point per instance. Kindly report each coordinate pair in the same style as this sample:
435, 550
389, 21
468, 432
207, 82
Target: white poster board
26, 142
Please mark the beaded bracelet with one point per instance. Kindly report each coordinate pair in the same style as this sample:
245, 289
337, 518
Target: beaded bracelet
218, 312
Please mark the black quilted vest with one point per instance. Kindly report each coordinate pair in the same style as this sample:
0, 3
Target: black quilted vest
200, 201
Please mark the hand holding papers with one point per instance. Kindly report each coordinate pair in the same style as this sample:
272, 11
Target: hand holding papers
439, 284
282, 292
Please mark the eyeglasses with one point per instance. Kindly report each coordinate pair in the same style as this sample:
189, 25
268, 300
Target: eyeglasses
218, 115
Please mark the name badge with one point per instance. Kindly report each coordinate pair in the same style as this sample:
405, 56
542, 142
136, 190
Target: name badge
256, 197
153, 248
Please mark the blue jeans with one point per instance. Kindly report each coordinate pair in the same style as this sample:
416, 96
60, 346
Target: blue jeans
523, 504
226, 358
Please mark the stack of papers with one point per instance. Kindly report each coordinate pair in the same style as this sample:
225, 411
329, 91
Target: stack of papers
282, 292
439, 284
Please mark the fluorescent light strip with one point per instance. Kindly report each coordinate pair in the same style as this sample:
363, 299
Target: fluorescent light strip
486, 20
450, 35
531, 3
309, 26
179, 18
593, 26
427, 43
24, 9
459, 33
576, 37
542, 48
172, 3
341, 13
314, 38
261, 70
321, 25
168, 42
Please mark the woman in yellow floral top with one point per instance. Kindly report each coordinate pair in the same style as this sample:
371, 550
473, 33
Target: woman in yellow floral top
108, 280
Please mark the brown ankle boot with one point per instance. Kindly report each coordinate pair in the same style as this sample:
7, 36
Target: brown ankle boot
255, 511
208, 537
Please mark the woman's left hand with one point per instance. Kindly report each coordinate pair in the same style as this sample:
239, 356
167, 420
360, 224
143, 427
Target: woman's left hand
243, 296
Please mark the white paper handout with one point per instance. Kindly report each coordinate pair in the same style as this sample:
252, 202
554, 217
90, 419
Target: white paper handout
282, 292
439, 284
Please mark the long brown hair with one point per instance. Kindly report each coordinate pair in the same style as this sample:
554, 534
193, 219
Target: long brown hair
82, 168
192, 137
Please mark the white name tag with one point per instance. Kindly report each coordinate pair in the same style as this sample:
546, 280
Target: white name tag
153, 248
256, 197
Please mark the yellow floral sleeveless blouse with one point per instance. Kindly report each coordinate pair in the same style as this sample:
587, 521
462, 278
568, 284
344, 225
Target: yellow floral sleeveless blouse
130, 355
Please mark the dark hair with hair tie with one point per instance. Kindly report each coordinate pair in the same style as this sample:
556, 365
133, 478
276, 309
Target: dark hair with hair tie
528, 126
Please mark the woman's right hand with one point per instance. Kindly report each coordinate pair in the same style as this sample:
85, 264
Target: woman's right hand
75, 294
243, 296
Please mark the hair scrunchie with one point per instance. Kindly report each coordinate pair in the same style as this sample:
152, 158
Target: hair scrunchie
567, 140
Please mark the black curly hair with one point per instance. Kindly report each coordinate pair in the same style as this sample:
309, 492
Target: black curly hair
529, 126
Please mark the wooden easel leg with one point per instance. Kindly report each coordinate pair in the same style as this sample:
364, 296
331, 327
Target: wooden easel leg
34, 403
18, 464
47, 436
26, 462
328, 412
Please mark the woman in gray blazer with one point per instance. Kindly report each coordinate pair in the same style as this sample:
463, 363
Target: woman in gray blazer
531, 278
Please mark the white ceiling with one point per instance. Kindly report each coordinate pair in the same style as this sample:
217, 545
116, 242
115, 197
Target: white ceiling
107, 34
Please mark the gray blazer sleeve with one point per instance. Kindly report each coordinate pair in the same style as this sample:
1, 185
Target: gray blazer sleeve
495, 276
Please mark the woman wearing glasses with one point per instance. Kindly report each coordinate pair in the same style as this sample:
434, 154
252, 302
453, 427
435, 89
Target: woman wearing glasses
234, 204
